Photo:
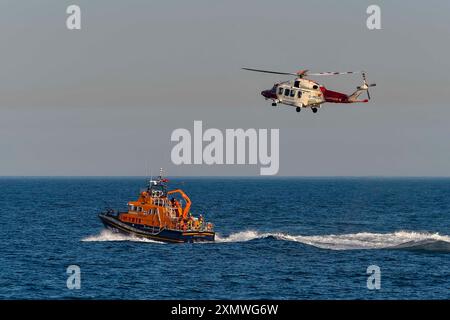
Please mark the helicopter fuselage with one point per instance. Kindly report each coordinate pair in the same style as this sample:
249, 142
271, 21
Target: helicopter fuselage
303, 93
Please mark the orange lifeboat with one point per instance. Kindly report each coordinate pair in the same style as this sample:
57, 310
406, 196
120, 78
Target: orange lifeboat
159, 214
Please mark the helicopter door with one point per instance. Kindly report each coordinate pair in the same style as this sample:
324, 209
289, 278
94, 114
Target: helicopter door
302, 98
283, 94
280, 93
298, 96
289, 95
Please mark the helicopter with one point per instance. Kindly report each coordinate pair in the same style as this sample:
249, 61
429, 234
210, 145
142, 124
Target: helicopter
305, 93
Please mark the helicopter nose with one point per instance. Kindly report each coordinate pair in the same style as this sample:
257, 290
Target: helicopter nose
265, 93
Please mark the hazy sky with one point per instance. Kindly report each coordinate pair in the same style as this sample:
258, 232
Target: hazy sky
104, 100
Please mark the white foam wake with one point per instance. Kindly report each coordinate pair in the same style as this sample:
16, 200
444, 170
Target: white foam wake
242, 236
353, 241
108, 235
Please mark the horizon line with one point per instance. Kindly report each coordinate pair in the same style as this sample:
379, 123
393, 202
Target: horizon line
223, 176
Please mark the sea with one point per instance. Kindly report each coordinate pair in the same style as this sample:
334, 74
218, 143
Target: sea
277, 238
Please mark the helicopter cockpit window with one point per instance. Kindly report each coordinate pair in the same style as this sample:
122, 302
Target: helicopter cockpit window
315, 87
299, 94
292, 93
280, 91
297, 84
286, 92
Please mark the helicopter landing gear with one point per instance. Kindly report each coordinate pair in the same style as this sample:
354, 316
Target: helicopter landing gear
314, 110
298, 109
274, 104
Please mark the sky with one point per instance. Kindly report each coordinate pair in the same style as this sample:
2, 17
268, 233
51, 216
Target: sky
105, 99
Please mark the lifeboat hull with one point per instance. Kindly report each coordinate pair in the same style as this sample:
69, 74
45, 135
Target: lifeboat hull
112, 223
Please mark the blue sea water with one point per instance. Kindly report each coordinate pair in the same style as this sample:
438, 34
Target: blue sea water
305, 238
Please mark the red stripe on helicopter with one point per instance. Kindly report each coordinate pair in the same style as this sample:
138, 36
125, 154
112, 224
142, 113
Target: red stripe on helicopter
334, 96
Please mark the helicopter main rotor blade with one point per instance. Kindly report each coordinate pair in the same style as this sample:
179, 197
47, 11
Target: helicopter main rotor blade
333, 73
273, 72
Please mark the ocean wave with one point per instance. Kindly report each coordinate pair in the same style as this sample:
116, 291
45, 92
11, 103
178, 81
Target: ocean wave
107, 235
354, 241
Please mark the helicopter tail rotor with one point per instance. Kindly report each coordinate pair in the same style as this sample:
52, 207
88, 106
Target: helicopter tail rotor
366, 85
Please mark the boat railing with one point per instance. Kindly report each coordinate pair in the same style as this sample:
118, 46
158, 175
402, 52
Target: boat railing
158, 202
111, 212
205, 227
153, 229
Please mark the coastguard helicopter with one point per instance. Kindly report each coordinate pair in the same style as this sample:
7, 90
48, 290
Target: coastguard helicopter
305, 93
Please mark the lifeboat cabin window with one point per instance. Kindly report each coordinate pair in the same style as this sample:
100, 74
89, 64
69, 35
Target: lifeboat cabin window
297, 84
286, 92
292, 93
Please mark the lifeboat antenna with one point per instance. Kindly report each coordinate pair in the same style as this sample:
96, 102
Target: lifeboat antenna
151, 182
151, 176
